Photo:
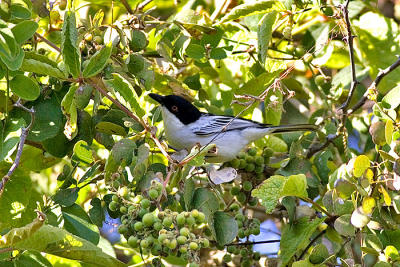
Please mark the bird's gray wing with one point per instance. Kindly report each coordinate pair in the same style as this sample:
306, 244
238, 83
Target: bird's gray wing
212, 124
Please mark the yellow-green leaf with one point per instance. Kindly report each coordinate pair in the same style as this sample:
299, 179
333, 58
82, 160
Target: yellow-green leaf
389, 131
361, 164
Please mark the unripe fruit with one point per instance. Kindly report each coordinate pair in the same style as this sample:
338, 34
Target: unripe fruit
227, 258
240, 217
252, 151
190, 221
180, 219
123, 209
144, 243
241, 197
123, 192
145, 203
193, 264
253, 201
205, 243
181, 239
235, 191
319, 80
115, 198
242, 164
62, 4
255, 231
243, 252
88, 37
230, 249
299, 51
193, 246
98, 39
133, 241
257, 256
289, 48
268, 152
138, 41
142, 212
235, 163
122, 229
377, 131
234, 207
148, 219
249, 159
247, 186
157, 226
184, 231
153, 194
167, 222
183, 250
138, 226
201, 217
162, 237
173, 244
287, 32
82, 96
241, 155
241, 233
250, 167
113, 206
259, 161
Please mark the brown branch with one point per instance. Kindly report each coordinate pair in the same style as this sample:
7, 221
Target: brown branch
373, 85
143, 5
253, 243
318, 147
24, 135
53, 45
349, 39
127, 6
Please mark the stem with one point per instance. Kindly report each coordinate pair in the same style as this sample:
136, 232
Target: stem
310, 244
24, 135
7, 92
321, 209
218, 10
53, 45
253, 243
127, 6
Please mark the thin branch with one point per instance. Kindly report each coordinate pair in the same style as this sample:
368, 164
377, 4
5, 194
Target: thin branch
253, 243
53, 45
311, 242
127, 6
143, 5
321, 209
218, 10
24, 135
349, 39
316, 148
373, 85
4, 250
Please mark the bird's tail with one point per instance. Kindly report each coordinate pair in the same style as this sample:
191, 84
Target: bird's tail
293, 128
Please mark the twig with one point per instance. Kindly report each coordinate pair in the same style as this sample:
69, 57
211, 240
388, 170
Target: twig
53, 45
349, 39
374, 85
317, 148
311, 242
143, 5
253, 243
4, 250
218, 10
127, 6
24, 135
321, 209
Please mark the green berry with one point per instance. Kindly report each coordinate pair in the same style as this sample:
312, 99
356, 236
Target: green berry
153, 193
190, 221
181, 239
184, 231
227, 258
148, 219
257, 256
173, 244
234, 207
268, 152
142, 212
253, 201
319, 80
145, 203
205, 243
252, 151
115, 198
201, 217
157, 226
247, 232
180, 219
259, 161
122, 229
207, 231
123, 209
144, 243
156, 249
241, 197
98, 39
193, 264
113, 206
247, 186
242, 164
240, 217
162, 237
249, 159
230, 249
250, 167
259, 169
235, 163
167, 222
133, 241
245, 263
239, 223
241, 233
193, 246
195, 213
241, 155
138, 226
183, 249
255, 230
243, 252
235, 191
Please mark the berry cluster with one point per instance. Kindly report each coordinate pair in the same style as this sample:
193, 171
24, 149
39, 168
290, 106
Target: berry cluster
246, 256
247, 226
160, 233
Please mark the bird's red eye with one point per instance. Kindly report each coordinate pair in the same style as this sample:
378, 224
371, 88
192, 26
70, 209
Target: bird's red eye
174, 108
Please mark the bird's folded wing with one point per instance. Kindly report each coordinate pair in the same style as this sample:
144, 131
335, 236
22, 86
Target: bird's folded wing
212, 124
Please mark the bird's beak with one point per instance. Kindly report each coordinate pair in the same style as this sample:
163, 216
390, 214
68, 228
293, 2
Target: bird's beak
158, 98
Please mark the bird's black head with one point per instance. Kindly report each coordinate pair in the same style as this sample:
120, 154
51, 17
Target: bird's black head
180, 107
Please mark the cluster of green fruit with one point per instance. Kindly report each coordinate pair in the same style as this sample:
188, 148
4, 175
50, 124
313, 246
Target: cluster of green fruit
247, 226
253, 161
160, 233
247, 256
242, 195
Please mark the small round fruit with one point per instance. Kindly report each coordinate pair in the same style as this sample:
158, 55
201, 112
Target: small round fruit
88, 37
144, 243
173, 244
157, 226
227, 258
138, 226
142, 212
235, 163
240, 217
153, 193
184, 231
253, 201
234, 207
148, 219
287, 32
255, 230
133, 241
180, 219
62, 4
190, 221
181, 239
241, 155
319, 80
268, 152
205, 243
242, 164
241, 197
201, 218
122, 229
167, 222
259, 161
98, 39
113, 206
252, 151
183, 249
235, 191
319, 254
250, 167
145, 203
123, 210
249, 159
247, 186
193, 246
377, 131
115, 198
241, 233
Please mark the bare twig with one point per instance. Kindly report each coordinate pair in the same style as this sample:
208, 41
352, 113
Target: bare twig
319, 147
217, 10
349, 39
127, 6
253, 243
143, 5
24, 135
53, 45
373, 85
310, 244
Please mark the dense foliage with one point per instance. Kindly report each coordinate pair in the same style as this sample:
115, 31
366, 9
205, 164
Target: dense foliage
83, 151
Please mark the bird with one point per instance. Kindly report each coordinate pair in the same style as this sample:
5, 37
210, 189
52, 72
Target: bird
186, 126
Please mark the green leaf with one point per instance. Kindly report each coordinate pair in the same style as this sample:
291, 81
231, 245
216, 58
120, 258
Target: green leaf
205, 201
195, 51
258, 84
321, 162
68, 108
389, 131
98, 61
343, 225
66, 197
224, 227
90, 172
274, 107
11, 52
110, 128
264, 34
378, 39
122, 151
28, 258
77, 222
96, 213
69, 48
361, 164
218, 53
82, 152
296, 237
125, 89
272, 189
188, 192
392, 98
15, 199
17, 234
193, 82
25, 87
9, 136
33, 159
252, 8
59, 242
19, 11
43, 68
24, 31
